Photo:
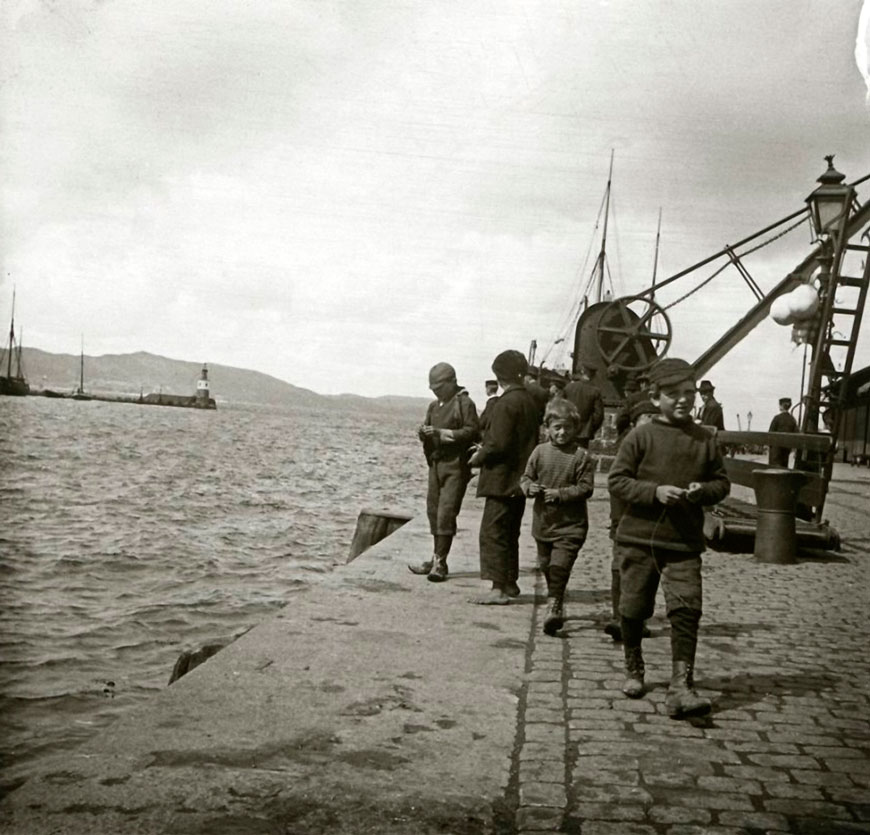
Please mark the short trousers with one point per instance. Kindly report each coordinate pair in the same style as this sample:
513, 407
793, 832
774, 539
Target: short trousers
641, 567
447, 483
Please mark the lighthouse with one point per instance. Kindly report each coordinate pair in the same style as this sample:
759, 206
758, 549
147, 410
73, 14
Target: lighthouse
202, 398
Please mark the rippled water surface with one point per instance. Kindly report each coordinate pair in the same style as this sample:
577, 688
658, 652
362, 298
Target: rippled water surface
130, 533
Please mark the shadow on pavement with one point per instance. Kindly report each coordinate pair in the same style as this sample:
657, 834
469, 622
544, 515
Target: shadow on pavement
748, 688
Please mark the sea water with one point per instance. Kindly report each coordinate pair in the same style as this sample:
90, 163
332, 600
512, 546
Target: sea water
130, 533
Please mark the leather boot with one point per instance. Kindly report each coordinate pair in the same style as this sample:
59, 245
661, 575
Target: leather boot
438, 574
555, 617
634, 670
682, 699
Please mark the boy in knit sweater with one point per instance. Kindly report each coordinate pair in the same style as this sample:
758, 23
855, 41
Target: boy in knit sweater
560, 476
665, 472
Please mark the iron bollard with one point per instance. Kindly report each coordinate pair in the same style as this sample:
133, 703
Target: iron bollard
776, 493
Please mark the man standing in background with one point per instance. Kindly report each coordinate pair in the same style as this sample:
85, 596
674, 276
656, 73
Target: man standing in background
783, 422
589, 403
710, 414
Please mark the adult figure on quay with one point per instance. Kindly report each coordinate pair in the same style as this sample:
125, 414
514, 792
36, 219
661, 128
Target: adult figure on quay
710, 413
491, 387
636, 392
589, 403
539, 394
782, 422
511, 435
448, 432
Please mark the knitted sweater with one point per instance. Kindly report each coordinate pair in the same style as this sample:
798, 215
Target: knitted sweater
571, 471
658, 453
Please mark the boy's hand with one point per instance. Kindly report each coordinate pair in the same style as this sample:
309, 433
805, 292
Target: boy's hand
475, 459
667, 494
693, 493
551, 494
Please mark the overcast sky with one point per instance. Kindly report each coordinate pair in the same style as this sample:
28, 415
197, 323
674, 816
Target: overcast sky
342, 193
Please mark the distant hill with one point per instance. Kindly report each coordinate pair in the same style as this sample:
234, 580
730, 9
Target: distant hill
131, 373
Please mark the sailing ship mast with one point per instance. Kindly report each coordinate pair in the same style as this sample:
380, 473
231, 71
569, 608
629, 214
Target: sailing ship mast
652, 294
82, 368
13, 384
11, 340
600, 262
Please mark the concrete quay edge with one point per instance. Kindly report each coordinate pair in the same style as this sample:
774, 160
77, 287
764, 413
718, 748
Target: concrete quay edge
377, 702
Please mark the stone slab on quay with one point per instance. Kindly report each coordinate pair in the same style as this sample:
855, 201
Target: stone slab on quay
379, 702
374, 702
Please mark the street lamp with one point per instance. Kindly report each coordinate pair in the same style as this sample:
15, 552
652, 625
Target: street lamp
830, 201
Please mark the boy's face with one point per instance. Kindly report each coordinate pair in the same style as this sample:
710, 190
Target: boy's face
443, 389
675, 401
561, 431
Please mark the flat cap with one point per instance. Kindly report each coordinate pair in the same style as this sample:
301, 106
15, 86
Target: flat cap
509, 365
671, 370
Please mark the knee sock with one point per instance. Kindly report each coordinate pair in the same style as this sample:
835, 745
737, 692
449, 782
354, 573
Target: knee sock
614, 593
557, 580
442, 545
684, 634
632, 631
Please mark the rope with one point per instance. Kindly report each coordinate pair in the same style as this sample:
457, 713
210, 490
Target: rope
742, 255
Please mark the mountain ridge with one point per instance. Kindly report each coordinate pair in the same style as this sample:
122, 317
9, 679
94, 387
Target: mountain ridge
144, 372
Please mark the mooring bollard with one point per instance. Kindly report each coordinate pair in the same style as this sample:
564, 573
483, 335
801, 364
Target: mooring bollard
776, 493
372, 526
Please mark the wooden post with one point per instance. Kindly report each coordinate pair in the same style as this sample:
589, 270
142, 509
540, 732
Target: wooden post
372, 526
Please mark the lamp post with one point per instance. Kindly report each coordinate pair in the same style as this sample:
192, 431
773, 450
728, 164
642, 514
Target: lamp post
829, 205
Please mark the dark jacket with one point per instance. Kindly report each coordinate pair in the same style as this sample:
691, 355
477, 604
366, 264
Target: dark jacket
711, 414
510, 437
458, 414
587, 398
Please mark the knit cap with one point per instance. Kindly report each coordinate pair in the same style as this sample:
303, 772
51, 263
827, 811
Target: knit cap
442, 372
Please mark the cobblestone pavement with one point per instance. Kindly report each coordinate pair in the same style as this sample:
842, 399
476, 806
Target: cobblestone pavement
783, 654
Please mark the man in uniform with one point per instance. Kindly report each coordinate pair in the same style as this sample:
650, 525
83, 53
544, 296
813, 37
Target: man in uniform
491, 387
783, 422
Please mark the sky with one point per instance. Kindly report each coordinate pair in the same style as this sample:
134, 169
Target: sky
343, 193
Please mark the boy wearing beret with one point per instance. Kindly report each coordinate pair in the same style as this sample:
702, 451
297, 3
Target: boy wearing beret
510, 436
448, 432
665, 472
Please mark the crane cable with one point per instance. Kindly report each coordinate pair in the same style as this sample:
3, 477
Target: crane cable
742, 255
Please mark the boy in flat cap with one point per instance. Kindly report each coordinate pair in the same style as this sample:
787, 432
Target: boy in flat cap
448, 431
665, 472
511, 435
783, 422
